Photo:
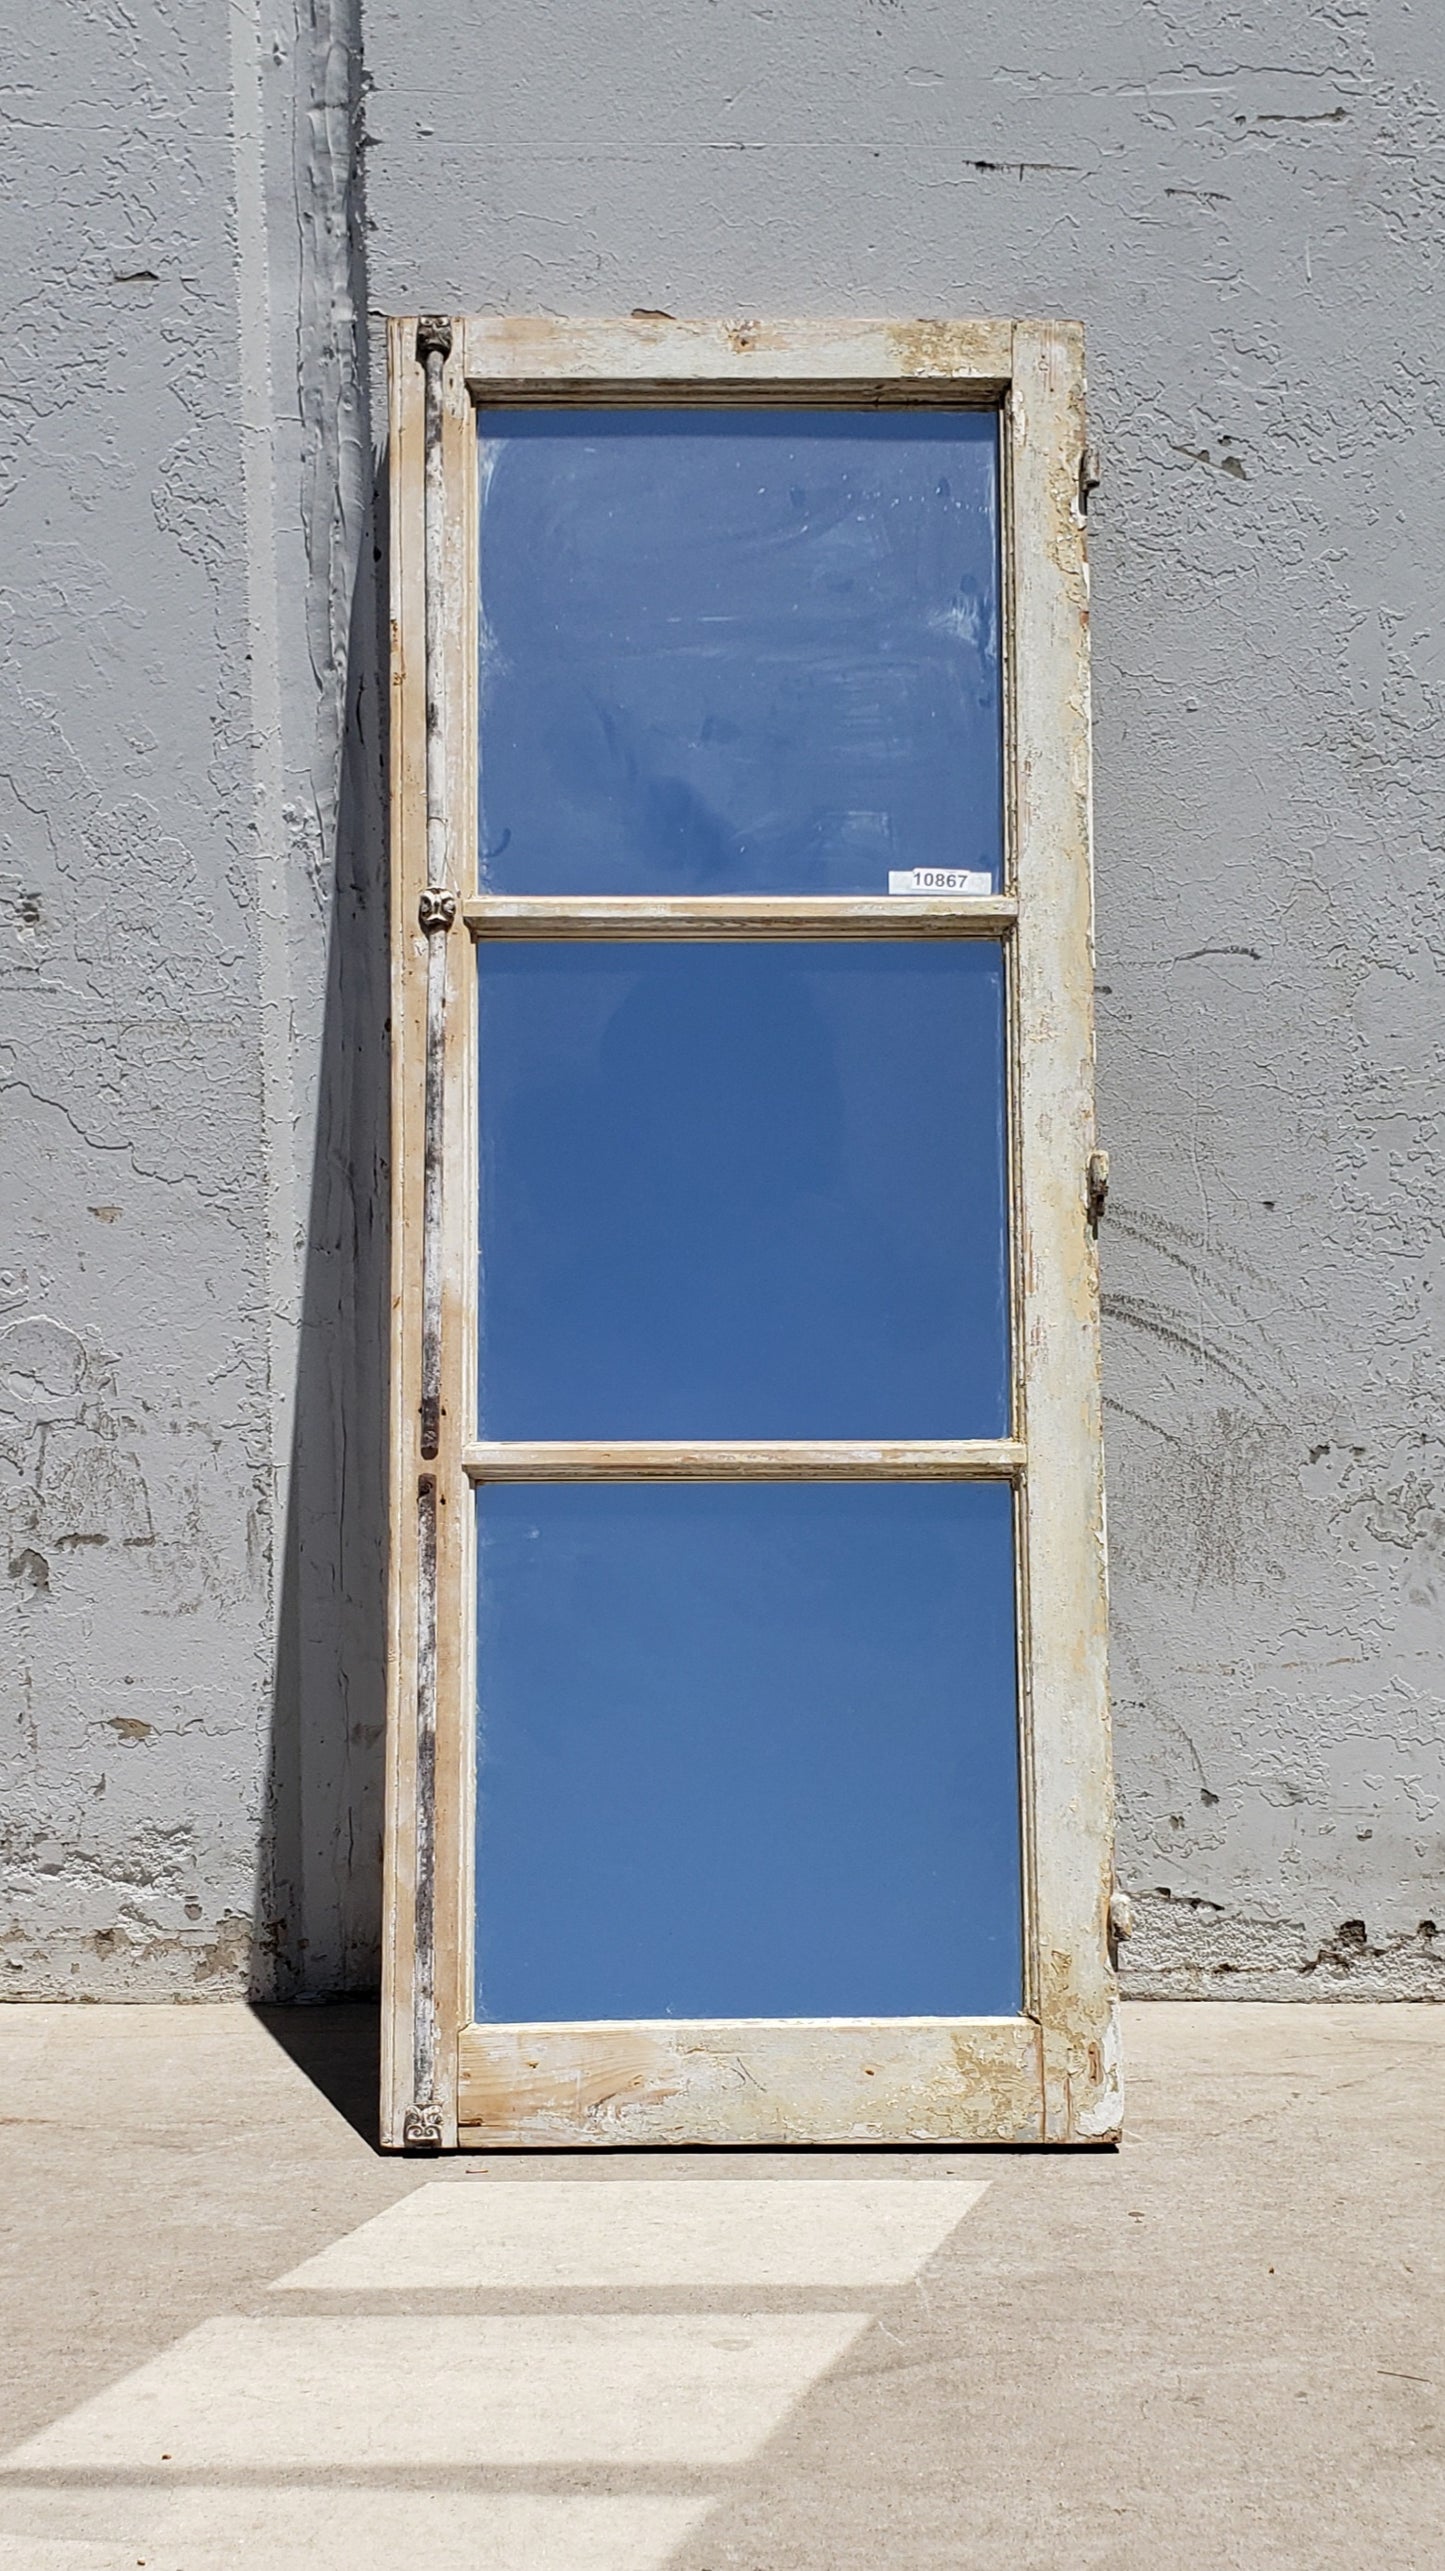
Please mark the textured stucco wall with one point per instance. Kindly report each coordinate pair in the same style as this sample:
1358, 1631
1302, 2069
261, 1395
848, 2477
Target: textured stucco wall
1244, 206
191, 1141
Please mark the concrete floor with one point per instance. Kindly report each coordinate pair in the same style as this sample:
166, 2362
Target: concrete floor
1223, 2345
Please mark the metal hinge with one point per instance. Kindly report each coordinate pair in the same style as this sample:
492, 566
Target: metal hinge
1121, 1921
1096, 1189
422, 2129
1090, 476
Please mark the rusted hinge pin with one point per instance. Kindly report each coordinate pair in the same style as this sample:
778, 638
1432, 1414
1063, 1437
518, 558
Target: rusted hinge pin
1097, 1189
1090, 477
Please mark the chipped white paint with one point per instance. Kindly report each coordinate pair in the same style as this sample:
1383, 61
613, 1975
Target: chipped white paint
757, 2081
1063, 1572
852, 360
418, 1991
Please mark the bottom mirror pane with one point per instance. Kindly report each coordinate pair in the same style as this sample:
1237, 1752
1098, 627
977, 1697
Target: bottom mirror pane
747, 1750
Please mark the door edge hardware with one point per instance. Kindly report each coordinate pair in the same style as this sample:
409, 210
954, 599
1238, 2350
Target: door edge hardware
422, 2129
1096, 1189
1121, 1921
436, 909
1090, 477
433, 338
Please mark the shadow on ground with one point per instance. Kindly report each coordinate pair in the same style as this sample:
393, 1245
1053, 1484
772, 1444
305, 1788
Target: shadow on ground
336, 2044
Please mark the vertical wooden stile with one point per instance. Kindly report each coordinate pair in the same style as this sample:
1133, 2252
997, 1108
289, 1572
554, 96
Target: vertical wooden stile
407, 766
1062, 1511
429, 699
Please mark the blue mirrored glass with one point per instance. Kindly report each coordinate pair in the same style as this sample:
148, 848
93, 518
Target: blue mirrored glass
747, 1751
738, 651
743, 1191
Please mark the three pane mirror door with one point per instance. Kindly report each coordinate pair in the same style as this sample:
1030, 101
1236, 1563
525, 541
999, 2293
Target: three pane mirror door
747, 1733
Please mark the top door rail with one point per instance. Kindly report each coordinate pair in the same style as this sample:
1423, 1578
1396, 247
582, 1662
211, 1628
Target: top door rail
859, 362
764, 915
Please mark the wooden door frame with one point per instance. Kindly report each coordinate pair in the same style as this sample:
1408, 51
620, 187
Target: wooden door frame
1050, 2074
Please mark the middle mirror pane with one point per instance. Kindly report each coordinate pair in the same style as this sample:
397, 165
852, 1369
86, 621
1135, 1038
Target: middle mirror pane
743, 1191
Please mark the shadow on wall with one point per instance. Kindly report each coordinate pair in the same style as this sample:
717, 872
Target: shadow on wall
317, 1917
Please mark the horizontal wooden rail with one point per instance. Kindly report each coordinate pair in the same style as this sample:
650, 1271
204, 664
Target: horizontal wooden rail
564, 915
981, 1459
657, 358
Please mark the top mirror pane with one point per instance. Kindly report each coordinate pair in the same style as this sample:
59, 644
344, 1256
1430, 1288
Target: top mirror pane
728, 651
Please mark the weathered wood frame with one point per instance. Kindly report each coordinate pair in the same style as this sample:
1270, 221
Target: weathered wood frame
1051, 2073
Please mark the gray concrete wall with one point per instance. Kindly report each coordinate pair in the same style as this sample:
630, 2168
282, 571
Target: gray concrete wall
1245, 208
189, 1306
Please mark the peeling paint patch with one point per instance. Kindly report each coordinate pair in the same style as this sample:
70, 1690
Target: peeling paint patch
1192, 1949
122, 1959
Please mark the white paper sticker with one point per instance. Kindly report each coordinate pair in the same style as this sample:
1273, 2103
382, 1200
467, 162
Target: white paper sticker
940, 879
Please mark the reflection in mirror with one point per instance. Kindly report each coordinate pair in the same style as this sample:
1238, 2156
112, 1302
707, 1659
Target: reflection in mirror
733, 651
